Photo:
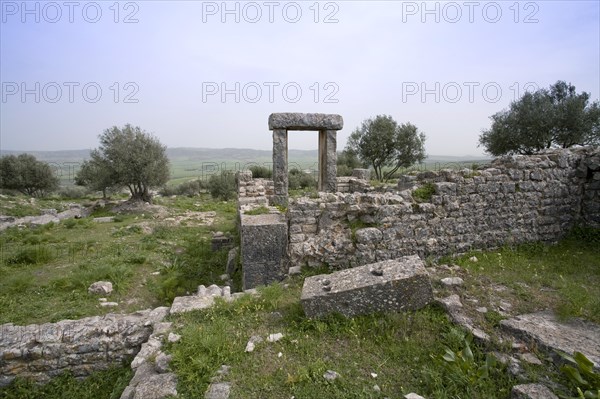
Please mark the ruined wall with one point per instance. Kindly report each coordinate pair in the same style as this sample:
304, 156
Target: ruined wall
43, 351
516, 199
589, 171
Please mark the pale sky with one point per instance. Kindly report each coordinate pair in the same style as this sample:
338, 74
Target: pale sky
208, 74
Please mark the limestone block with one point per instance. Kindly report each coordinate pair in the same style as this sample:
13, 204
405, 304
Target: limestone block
300, 121
392, 285
264, 240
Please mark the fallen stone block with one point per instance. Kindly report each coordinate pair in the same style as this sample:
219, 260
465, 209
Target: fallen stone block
391, 285
551, 335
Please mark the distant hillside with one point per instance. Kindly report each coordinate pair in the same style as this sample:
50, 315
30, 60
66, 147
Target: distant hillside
182, 154
194, 163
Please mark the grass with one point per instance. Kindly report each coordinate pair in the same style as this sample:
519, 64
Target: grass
45, 271
262, 210
107, 384
403, 349
564, 277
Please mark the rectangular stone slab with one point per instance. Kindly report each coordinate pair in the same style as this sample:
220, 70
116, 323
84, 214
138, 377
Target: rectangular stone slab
391, 285
263, 249
300, 121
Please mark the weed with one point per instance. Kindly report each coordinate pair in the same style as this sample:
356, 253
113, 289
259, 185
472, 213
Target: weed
582, 377
262, 210
424, 193
31, 255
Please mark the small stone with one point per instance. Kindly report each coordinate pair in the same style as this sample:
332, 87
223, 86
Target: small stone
224, 277
274, 337
279, 354
327, 288
326, 282
218, 390
530, 358
374, 375
330, 375
102, 299
452, 281
173, 337
531, 391
295, 270
474, 259
413, 395
109, 304
376, 388
255, 339
101, 287
482, 309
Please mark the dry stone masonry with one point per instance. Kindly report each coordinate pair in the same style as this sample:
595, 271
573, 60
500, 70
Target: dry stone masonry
43, 351
514, 200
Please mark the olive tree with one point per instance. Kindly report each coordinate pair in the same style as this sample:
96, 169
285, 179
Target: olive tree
24, 173
381, 142
127, 157
546, 118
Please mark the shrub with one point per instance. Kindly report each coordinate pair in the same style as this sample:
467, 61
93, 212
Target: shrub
189, 188
424, 193
261, 172
299, 179
72, 192
222, 186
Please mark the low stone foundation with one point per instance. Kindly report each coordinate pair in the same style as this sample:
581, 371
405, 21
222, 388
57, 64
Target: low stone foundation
43, 351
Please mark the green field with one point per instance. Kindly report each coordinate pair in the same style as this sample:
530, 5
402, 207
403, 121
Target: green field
200, 163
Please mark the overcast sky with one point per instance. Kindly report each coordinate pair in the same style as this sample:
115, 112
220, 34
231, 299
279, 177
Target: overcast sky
208, 74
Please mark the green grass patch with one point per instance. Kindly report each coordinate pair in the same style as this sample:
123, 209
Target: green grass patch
107, 384
564, 276
45, 271
404, 349
263, 210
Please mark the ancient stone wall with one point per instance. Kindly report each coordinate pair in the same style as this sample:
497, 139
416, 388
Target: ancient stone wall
43, 351
514, 200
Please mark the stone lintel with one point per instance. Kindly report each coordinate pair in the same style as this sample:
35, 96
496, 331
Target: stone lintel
301, 121
392, 285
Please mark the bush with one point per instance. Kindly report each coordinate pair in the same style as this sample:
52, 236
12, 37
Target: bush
189, 188
424, 193
299, 179
222, 186
261, 172
72, 192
